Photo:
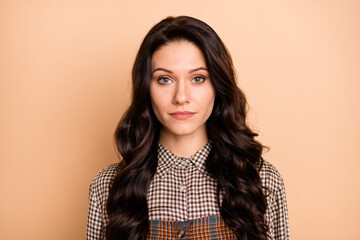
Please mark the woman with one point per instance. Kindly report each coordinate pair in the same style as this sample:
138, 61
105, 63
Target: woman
191, 167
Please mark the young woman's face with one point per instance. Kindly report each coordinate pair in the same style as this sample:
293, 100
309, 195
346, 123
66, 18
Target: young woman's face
182, 94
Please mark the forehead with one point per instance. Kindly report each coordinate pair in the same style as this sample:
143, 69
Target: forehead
180, 54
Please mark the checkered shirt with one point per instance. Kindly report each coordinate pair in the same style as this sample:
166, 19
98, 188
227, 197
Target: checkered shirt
182, 191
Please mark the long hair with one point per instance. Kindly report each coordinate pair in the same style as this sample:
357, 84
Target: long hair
235, 157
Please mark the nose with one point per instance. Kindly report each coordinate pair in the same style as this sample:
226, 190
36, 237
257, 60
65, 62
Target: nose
181, 95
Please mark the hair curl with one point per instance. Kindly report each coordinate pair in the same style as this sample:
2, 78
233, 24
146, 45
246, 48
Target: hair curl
235, 157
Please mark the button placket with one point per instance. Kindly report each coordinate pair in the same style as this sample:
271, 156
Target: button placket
183, 164
182, 187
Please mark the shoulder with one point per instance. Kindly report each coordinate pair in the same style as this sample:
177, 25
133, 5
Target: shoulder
101, 183
276, 212
271, 178
98, 194
105, 176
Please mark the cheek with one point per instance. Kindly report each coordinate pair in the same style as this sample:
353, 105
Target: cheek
209, 97
210, 106
155, 107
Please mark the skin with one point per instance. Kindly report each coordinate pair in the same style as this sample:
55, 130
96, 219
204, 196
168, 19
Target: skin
182, 96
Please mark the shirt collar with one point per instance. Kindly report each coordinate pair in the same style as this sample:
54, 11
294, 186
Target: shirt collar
168, 160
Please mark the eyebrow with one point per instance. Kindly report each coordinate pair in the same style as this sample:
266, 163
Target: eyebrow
166, 70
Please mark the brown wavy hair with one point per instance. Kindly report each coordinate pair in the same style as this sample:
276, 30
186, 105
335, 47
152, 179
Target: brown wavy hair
235, 157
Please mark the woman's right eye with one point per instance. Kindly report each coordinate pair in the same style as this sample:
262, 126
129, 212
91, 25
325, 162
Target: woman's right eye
164, 80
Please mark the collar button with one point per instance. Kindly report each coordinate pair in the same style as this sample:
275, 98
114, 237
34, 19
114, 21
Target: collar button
182, 187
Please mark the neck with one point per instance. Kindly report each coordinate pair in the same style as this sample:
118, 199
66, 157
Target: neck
183, 145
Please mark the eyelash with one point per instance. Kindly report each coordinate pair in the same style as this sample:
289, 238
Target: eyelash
162, 79
197, 77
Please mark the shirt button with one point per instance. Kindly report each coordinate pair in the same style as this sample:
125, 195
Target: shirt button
182, 187
181, 233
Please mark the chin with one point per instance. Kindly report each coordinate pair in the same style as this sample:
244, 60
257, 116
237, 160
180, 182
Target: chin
184, 129
184, 132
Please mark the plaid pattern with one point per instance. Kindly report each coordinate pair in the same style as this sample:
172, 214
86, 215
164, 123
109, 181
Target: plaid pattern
181, 189
98, 195
211, 227
183, 194
276, 213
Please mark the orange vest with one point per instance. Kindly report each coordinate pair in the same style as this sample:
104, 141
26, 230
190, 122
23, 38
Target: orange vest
212, 227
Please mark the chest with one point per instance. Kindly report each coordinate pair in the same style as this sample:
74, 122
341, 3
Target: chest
182, 193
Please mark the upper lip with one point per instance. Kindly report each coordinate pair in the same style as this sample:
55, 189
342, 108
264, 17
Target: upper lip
181, 113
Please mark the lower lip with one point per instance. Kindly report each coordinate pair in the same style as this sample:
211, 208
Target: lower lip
182, 116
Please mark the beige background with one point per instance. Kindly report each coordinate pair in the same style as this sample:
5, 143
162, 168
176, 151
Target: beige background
64, 84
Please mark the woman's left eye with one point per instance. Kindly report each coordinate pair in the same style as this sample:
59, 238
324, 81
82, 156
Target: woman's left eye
198, 79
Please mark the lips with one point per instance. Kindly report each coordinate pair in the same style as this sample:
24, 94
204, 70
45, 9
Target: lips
182, 115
